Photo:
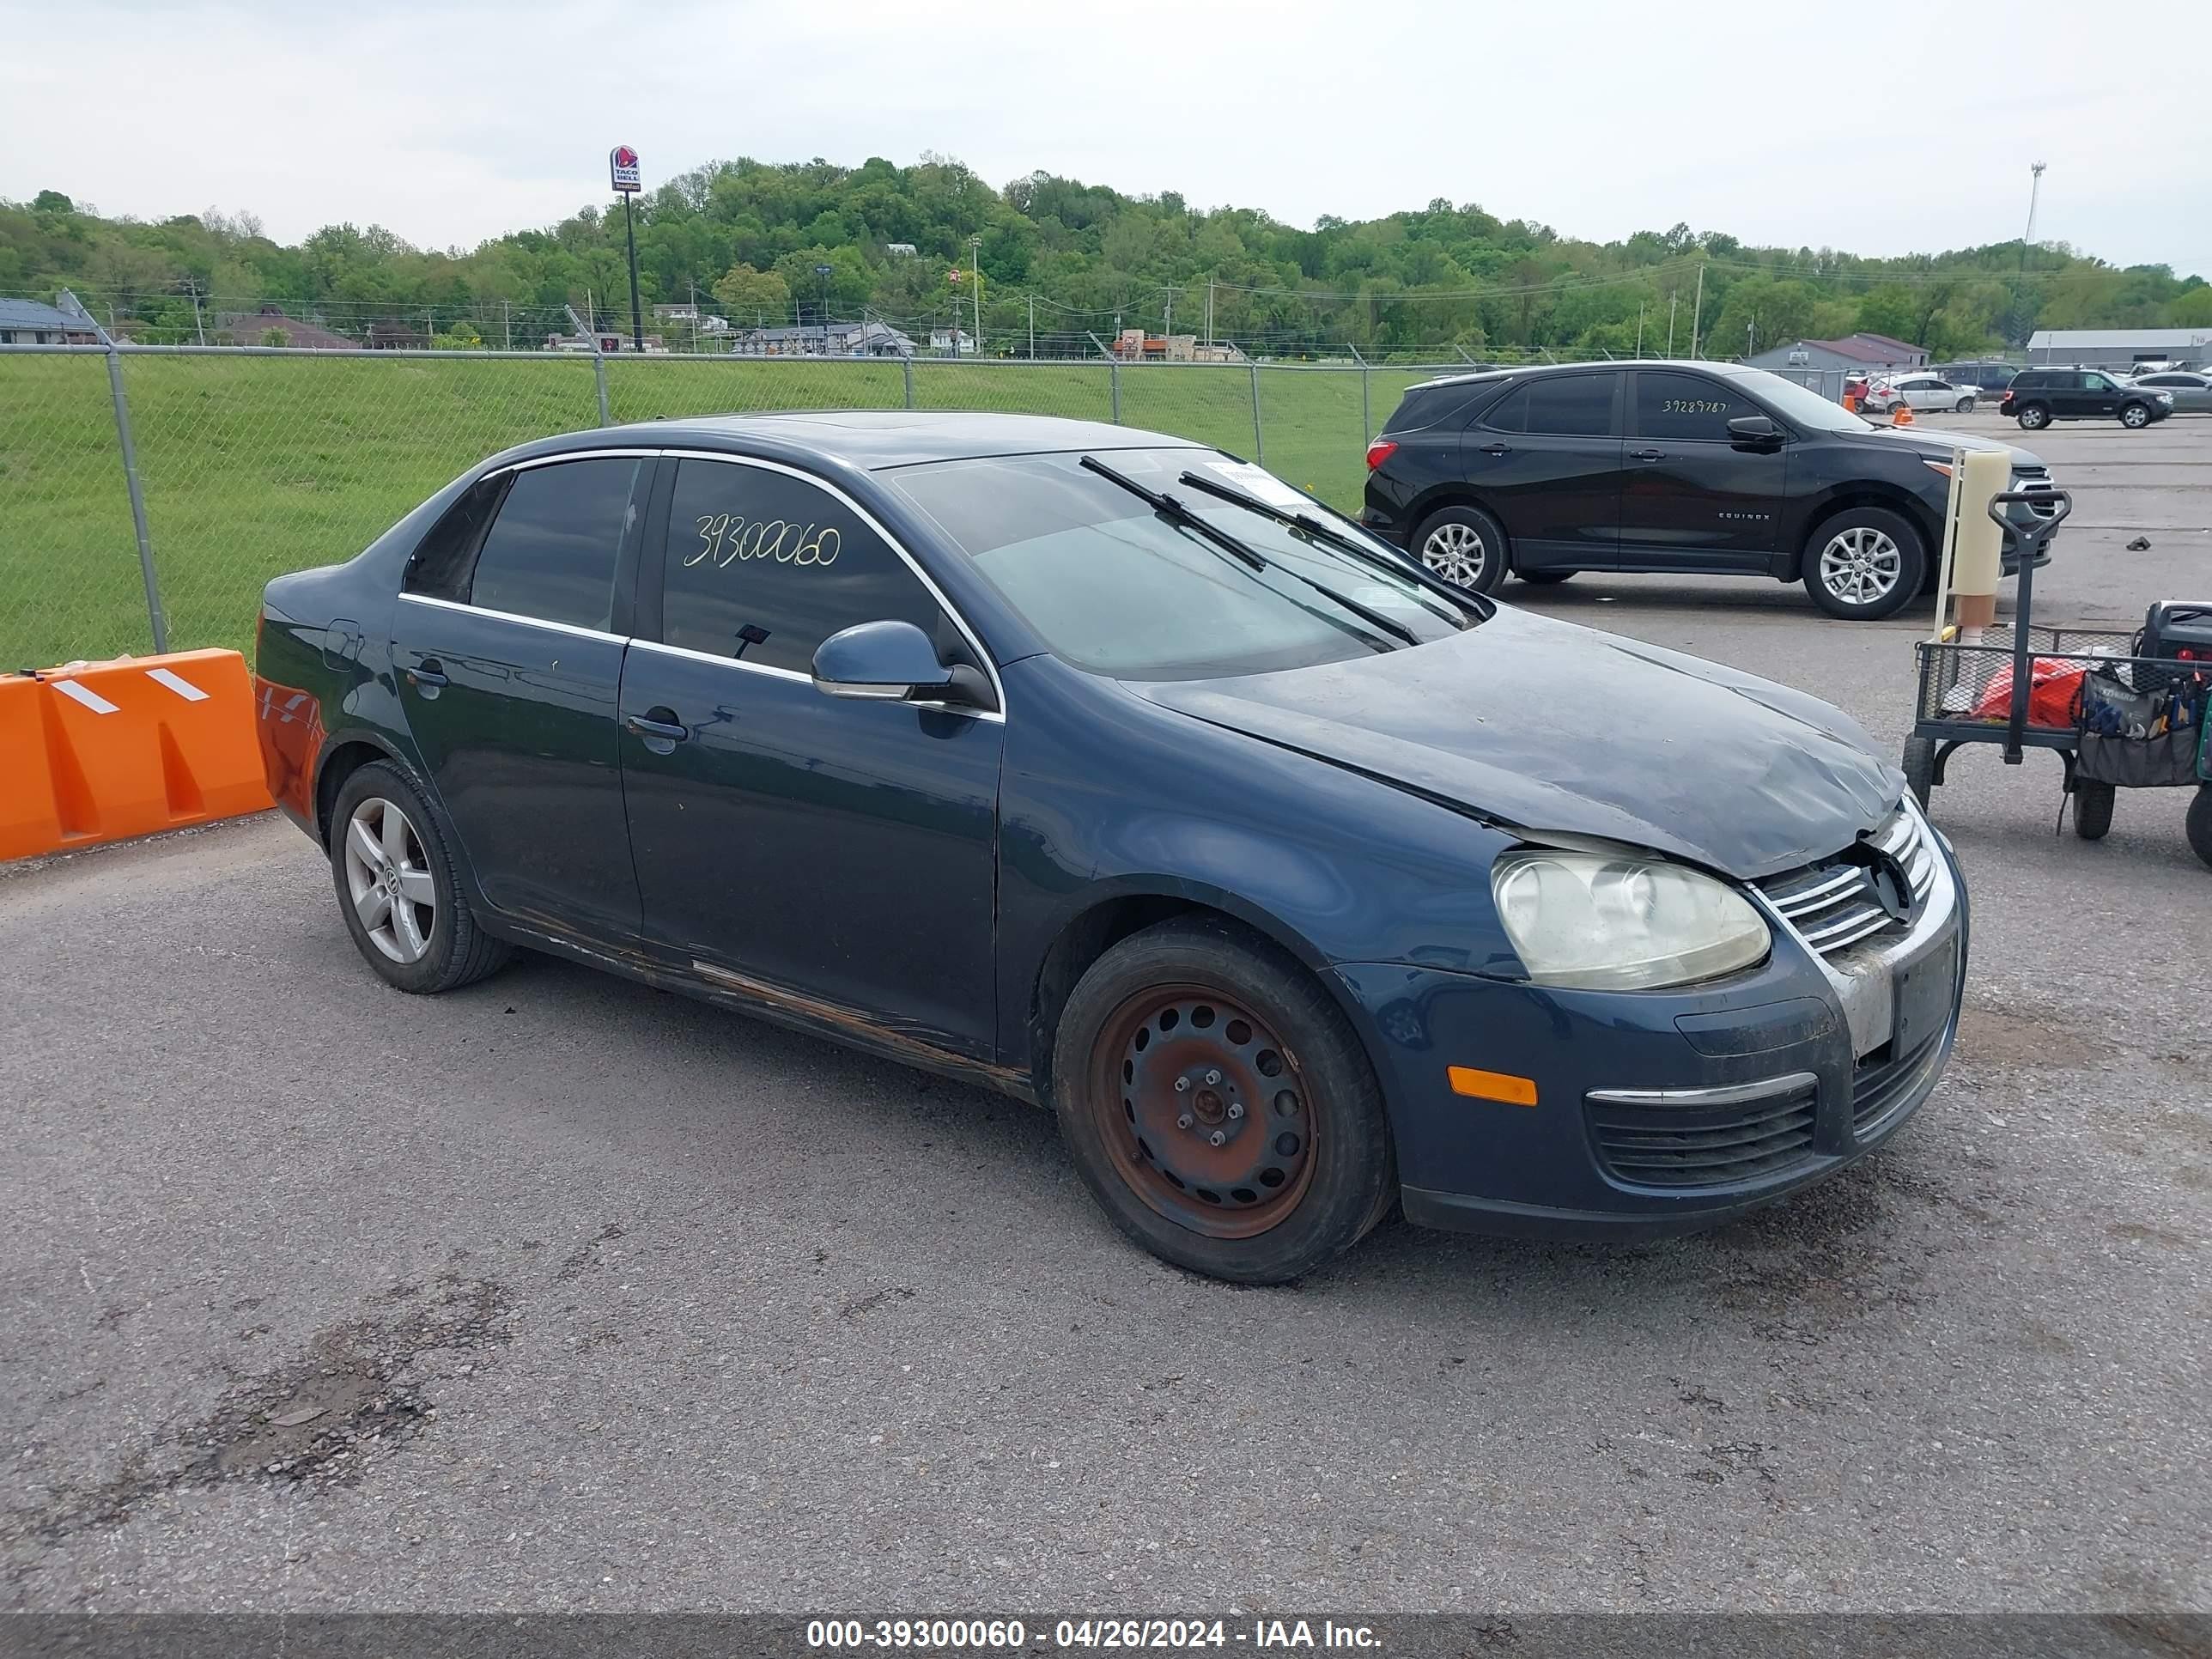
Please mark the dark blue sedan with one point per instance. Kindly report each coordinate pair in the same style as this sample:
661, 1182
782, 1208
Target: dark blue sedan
1102, 767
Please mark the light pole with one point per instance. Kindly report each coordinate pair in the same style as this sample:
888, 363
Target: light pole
2020, 284
975, 273
822, 275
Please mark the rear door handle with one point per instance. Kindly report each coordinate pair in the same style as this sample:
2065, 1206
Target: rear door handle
429, 671
1646, 455
650, 724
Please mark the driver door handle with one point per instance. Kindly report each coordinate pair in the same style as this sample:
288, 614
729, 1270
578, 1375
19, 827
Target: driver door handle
1498, 449
429, 671
651, 725
1646, 455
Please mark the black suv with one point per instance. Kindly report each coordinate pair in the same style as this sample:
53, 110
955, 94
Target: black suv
2037, 396
1706, 468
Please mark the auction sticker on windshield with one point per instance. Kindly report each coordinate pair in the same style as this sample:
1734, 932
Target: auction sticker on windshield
1259, 483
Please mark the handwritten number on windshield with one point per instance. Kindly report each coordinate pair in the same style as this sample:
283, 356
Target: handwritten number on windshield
726, 538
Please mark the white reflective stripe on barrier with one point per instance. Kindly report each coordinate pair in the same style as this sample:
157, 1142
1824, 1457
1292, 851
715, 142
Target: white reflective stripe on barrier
91, 700
184, 688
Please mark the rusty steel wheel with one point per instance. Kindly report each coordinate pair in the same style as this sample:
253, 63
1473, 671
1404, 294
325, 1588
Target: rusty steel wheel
1219, 1105
1205, 1109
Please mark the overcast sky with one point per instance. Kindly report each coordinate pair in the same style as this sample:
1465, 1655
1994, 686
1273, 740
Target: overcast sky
1881, 128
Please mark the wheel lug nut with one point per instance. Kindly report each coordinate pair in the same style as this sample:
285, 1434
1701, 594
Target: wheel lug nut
1235, 1110
1216, 1138
1183, 1122
1213, 1077
1183, 1085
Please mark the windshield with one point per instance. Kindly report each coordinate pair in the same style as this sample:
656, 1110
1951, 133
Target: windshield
1115, 588
1800, 406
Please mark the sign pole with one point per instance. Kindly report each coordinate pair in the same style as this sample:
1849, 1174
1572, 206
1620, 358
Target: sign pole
624, 173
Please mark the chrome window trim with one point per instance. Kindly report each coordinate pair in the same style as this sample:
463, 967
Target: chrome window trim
576, 629
689, 655
929, 583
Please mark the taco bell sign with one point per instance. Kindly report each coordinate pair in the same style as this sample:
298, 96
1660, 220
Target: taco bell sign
621, 166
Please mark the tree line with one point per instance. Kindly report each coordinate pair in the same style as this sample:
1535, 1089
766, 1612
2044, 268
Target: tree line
748, 240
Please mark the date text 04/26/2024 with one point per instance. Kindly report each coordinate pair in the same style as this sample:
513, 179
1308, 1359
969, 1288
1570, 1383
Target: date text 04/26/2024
1001, 1635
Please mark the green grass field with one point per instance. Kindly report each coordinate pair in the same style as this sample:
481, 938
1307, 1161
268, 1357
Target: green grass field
253, 467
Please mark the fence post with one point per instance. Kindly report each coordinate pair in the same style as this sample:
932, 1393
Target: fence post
153, 614
907, 363
1259, 443
1113, 377
599, 375
1366, 410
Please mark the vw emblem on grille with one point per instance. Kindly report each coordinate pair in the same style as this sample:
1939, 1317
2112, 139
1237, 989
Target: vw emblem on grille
1891, 887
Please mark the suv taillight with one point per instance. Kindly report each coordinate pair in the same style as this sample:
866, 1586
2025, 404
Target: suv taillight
1381, 451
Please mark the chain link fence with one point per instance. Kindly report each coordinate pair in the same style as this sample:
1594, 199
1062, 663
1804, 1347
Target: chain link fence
251, 462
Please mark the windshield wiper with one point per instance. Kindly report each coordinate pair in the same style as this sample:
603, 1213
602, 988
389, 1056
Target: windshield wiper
1402, 568
1176, 512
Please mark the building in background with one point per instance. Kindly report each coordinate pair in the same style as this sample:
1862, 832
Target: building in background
26, 322
868, 339
254, 328
2121, 349
1860, 353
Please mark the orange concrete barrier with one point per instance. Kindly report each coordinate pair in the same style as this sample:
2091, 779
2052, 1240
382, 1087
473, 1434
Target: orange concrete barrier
28, 823
113, 749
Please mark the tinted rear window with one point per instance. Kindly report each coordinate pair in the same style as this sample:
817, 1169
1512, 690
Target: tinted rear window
551, 551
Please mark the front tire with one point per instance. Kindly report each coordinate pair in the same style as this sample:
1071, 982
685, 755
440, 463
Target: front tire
1864, 563
400, 890
1219, 1106
2135, 416
1464, 546
1966, 405
2034, 417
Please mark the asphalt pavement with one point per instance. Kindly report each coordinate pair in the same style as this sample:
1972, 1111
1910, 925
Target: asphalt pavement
559, 1293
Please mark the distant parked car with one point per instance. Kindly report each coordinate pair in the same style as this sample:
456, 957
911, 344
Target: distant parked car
1986, 377
1679, 468
2191, 392
1919, 391
2037, 396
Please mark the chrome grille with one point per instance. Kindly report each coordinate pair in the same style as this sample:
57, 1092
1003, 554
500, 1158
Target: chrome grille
1705, 1137
1832, 905
2036, 481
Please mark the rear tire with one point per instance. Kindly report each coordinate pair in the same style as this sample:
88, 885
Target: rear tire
1920, 768
1546, 578
2034, 417
2200, 822
1303, 1167
2092, 809
1464, 546
1966, 405
399, 889
1864, 563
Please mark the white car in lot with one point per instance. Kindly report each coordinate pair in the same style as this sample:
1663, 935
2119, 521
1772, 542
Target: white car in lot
1919, 391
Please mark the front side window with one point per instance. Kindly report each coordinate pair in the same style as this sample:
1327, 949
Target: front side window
1115, 588
763, 567
1687, 407
551, 553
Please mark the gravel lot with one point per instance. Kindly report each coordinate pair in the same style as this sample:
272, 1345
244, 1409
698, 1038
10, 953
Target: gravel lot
625, 1303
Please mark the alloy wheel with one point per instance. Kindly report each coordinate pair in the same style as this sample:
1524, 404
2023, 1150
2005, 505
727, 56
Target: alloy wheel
2134, 415
1456, 552
388, 877
1207, 1116
1859, 566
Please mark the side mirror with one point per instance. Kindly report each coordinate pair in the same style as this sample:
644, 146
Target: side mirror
1754, 432
893, 662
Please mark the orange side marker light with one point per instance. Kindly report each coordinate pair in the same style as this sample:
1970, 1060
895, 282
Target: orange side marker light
1492, 1085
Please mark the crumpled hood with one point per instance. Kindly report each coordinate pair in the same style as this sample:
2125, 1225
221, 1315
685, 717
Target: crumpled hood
1543, 725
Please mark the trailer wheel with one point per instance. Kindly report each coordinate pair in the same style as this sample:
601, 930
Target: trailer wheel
2200, 824
2092, 809
1920, 768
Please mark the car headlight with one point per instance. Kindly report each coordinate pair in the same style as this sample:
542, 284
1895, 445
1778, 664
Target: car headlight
1601, 922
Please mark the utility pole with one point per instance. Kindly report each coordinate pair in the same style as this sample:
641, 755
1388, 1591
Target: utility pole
976, 276
1748, 330
507, 325
1639, 328
1697, 308
1673, 300
1032, 328
2019, 284
1167, 327
1209, 311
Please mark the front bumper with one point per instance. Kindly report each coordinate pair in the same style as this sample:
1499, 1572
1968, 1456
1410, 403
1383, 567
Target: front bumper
1658, 1112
